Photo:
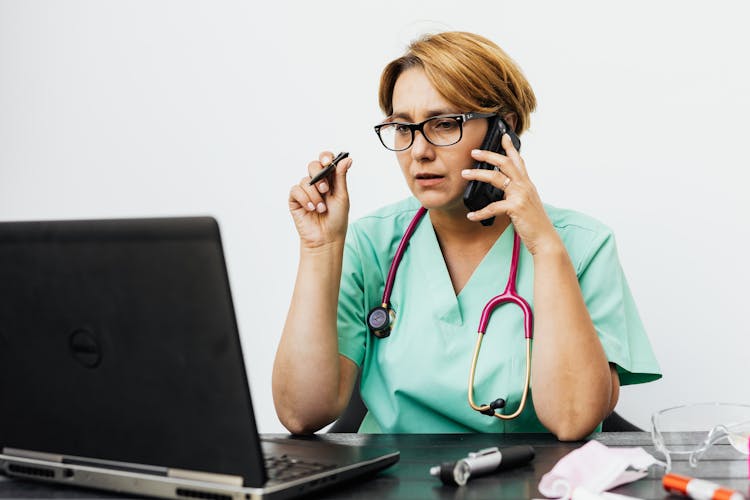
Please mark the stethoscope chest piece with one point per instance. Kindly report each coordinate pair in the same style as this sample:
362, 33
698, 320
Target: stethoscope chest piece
380, 320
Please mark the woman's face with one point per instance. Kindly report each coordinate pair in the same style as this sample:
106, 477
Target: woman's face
433, 173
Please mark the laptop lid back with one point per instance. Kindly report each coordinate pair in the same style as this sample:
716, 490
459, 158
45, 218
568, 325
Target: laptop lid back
118, 341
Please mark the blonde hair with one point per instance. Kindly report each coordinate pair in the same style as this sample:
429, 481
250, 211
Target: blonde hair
469, 71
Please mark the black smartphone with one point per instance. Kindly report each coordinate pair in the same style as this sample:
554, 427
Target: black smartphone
480, 194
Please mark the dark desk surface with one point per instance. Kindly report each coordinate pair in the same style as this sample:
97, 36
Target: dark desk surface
410, 478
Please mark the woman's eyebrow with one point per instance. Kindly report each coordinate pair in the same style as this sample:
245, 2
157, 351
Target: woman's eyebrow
398, 116
428, 114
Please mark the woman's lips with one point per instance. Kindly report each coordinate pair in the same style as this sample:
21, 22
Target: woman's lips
429, 180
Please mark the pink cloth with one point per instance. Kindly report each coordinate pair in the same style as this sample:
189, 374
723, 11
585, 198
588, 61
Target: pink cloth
595, 468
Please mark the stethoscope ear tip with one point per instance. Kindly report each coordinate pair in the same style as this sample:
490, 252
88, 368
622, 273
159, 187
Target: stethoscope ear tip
497, 404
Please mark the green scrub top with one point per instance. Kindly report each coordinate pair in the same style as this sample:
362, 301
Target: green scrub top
416, 379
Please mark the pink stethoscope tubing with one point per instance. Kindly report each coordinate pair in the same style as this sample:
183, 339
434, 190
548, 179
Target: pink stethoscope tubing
508, 295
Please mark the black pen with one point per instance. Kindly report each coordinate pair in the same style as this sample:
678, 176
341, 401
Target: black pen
329, 168
482, 462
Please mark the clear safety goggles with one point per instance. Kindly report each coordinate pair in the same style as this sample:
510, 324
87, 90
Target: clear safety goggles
689, 432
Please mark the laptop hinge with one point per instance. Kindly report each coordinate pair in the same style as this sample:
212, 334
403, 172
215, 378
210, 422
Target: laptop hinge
36, 455
208, 477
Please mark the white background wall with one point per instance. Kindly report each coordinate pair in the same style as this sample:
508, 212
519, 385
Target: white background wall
144, 108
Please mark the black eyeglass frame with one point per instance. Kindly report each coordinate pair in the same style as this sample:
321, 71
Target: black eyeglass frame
413, 127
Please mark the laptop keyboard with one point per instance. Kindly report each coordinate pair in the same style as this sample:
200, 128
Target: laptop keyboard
285, 468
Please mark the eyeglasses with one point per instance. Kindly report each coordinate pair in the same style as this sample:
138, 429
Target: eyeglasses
691, 431
442, 130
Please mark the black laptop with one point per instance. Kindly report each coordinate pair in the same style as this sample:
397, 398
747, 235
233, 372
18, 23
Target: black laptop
121, 368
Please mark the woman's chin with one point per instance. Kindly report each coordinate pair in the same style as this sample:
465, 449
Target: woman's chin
441, 201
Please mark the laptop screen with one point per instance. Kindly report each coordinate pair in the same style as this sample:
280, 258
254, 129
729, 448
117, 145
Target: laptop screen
118, 341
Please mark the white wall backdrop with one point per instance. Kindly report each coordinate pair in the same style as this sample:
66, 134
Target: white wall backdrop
145, 108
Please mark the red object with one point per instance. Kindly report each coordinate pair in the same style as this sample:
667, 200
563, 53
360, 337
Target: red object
698, 489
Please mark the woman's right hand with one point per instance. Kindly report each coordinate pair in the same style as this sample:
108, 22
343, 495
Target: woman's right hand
321, 211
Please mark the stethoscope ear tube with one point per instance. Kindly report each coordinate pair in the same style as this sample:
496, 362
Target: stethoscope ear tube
490, 408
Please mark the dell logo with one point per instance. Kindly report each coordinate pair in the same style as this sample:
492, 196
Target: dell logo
85, 348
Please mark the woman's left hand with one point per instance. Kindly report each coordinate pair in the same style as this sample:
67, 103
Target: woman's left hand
521, 202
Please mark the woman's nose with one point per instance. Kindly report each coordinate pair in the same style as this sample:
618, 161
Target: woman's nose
421, 148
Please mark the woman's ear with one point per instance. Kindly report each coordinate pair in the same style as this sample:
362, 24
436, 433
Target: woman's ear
511, 119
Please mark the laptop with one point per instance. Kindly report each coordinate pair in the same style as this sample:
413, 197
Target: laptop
121, 368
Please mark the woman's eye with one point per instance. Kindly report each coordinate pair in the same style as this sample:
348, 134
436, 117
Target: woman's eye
445, 124
402, 129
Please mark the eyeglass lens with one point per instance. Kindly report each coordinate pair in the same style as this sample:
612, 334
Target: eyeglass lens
691, 431
440, 131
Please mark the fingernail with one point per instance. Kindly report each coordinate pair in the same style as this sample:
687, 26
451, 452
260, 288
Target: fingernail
321, 207
470, 215
310, 206
326, 160
476, 151
465, 171
322, 187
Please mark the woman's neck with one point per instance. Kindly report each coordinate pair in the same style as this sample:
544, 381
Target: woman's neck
464, 243
451, 227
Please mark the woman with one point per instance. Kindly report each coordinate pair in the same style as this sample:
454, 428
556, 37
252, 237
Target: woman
587, 336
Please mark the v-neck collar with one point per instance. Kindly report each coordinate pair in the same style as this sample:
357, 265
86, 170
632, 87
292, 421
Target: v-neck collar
491, 273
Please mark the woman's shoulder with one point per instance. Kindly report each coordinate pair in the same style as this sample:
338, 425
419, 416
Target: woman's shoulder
572, 221
392, 217
374, 236
583, 235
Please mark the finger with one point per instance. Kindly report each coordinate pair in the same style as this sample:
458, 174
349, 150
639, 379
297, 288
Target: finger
313, 195
314, 167
325, 157
340, 177
512, 153
298, 198
494, 177
496, 159
491, 210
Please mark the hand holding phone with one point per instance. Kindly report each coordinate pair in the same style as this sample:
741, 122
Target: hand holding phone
480, 194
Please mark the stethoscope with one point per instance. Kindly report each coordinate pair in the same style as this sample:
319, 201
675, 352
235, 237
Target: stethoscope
380, 319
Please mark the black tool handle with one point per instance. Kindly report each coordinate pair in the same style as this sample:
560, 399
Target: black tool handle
515, 456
